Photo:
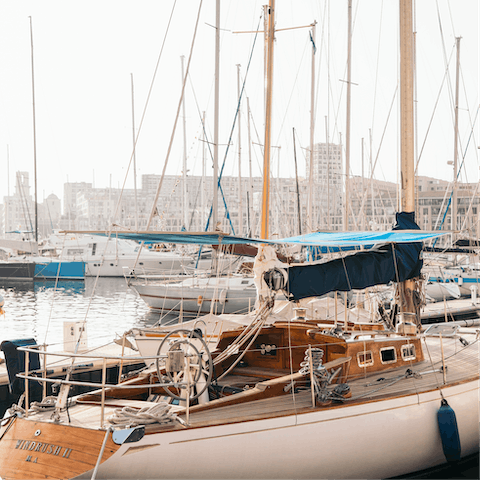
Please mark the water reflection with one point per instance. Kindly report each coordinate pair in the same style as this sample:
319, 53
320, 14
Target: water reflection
40, 309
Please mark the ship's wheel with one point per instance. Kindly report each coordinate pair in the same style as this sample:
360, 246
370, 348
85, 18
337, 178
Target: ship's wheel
186, 365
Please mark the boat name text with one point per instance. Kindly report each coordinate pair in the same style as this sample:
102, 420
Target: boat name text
47, 448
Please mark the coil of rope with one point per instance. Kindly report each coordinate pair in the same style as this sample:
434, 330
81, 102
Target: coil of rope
159, 413
48, 403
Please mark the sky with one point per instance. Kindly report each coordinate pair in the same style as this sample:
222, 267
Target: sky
86, 53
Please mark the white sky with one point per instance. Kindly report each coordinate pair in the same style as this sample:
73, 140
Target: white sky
84, 53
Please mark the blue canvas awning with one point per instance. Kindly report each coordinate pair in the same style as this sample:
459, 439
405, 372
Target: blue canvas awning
389, 261
326, 241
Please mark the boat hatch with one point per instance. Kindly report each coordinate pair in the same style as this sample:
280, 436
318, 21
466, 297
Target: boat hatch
388, 355
365, 359
445, 330
408, 352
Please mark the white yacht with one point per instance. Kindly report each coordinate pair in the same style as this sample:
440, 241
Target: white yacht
113, 257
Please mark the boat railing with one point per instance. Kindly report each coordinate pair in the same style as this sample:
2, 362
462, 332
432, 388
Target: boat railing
102, 386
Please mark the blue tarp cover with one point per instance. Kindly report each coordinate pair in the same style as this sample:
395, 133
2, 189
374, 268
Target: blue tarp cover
379, 266
327, 241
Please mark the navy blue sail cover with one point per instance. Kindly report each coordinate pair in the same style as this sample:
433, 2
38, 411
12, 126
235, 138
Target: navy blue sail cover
380, 265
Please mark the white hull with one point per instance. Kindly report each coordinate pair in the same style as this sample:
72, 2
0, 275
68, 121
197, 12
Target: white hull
115, 257
119, 266
374, 440
192, 297
442, 291
464, 277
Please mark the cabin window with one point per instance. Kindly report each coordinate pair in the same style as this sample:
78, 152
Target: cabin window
94, 248
365, 359
408, 352
388, 355
75, 251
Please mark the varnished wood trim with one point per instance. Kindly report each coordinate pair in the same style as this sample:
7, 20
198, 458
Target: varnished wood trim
57, 452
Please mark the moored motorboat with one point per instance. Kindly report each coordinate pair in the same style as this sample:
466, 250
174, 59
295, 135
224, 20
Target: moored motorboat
112, 257
197, 295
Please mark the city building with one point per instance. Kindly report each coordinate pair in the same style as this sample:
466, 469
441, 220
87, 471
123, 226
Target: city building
19, 208
373, 204
328, 186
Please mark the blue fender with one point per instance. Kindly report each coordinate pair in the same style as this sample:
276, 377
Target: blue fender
447, 423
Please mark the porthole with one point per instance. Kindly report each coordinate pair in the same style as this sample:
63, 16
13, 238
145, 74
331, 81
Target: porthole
388, 355
365, 359
408, 352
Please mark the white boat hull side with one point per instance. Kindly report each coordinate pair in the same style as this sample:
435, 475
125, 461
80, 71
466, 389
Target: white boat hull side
373, 440
121, 266
195, 301
443, 291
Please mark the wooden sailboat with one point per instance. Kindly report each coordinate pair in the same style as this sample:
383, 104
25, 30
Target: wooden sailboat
373, 391
275, 399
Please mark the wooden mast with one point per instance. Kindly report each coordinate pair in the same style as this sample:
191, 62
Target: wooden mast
407, 133
268, 123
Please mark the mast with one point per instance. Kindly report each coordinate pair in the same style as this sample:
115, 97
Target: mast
297, 187
34, 136
312, 133
265, 53
268, 125
363, 184
216, 116
455, 144
202, 190
7, 216
134, 156
250, 187
372, 200
184, 200
407, 131
347, 141
327, 139
240, 202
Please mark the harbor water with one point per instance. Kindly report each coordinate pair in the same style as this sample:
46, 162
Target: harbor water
38, 310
